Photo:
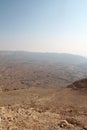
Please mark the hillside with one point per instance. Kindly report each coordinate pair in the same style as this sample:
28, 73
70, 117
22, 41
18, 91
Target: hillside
39, 91
43, 108
80, 85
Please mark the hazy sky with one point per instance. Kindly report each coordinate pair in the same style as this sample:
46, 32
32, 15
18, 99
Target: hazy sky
44, 25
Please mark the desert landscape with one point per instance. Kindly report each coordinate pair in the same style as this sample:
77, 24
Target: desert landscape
23, 69
43, 64
42, 91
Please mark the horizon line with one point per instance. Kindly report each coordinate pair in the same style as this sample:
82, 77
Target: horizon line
44, 52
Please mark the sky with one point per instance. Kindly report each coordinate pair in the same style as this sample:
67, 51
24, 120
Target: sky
44, 26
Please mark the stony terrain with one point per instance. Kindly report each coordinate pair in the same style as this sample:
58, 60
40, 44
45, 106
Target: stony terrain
43, 109
24, 118
38, 92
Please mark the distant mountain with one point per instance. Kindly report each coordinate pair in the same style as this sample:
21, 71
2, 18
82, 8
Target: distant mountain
54, 57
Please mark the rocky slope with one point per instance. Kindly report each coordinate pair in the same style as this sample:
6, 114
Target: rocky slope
80, 85
43, 109
25, 118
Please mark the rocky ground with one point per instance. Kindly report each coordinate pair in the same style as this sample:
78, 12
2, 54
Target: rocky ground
43, 109
21, 117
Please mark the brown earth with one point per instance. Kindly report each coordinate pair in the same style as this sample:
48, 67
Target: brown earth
33, 95
43, 109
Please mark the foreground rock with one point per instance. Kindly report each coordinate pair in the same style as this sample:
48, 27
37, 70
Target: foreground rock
20, 117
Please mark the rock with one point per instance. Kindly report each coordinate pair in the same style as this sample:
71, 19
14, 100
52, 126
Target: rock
85, 128
13, 128
63, 124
